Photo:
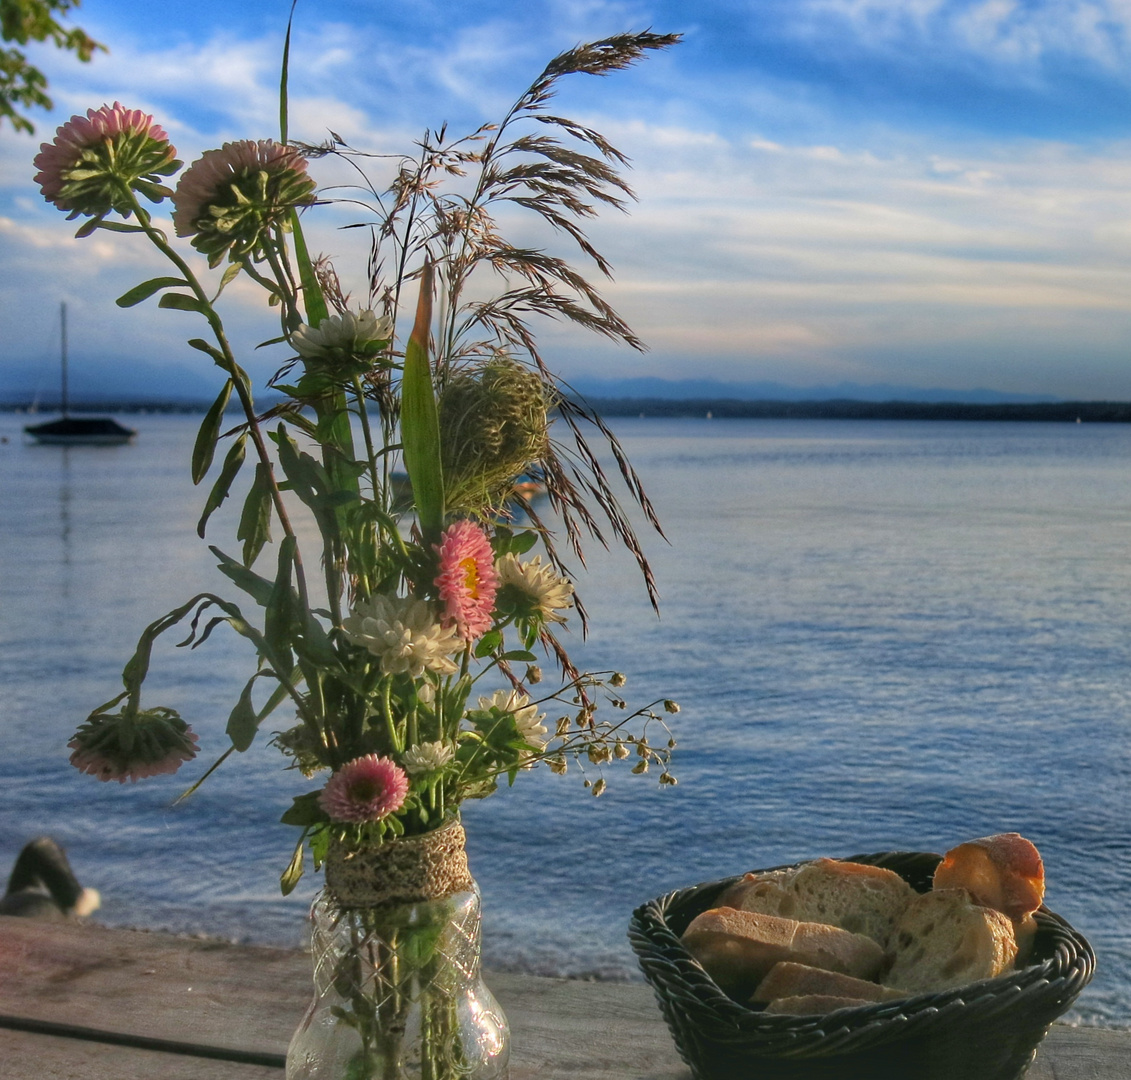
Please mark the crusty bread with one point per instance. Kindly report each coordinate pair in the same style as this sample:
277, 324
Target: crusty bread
1004, 872
864, 899
859, 898
767, 892
814, 1004
789, 979
738, 948
945, 940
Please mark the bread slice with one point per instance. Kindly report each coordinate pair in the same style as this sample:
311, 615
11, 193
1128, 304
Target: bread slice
814, 1004
789, 979
861, 899
766, 892
738, 948
945, 940
1004, 872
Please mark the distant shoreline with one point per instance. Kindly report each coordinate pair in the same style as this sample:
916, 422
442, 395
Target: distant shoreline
1087, 412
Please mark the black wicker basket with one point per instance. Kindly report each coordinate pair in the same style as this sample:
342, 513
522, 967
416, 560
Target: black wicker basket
987, 1030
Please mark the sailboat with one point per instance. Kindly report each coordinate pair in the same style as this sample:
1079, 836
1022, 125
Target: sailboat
78, 430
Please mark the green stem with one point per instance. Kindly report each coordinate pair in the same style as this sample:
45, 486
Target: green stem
239, 381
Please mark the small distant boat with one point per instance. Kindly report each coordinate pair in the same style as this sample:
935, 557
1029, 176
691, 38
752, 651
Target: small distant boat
528, 488
78, 430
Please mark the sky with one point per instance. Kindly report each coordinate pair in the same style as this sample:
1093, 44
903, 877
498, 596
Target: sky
929, 193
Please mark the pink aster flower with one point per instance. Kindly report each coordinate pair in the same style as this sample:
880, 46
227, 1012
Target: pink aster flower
365, 789
467, 580
227, 197
132, 746
83, 168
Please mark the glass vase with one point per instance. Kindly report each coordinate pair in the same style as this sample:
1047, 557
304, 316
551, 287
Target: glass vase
398, 993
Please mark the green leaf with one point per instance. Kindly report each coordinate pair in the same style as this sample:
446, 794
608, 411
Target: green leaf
202, 346
520, 654
258, 588
255, 521
209, 435
304, 811
522, 543
147, 288
118, 226
181, 302
420, 422
315, 302
281, 618
293, 872
488, 643
242, 721
228, 471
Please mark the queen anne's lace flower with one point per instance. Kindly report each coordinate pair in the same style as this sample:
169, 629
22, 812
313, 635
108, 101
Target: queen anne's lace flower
405, 634
546, 591
467, 581
227, 198
95, 159
366, 789
132, 746
345, 334
427, 757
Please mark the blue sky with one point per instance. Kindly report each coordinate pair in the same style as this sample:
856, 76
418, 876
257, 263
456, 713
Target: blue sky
933, 193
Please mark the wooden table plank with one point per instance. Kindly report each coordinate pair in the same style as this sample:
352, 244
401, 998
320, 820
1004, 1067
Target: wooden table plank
250, 998
44, 1057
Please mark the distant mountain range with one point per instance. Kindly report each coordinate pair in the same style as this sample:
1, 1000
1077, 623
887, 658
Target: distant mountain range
93, 380
717, 390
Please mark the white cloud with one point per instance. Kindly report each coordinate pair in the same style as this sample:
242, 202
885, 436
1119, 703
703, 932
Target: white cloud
1009, 32
751, 255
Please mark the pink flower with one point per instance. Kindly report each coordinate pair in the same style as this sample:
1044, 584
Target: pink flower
140, 149
123, 769
365, 789
467, 580
228, 197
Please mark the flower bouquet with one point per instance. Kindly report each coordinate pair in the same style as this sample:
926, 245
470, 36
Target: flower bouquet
405, 651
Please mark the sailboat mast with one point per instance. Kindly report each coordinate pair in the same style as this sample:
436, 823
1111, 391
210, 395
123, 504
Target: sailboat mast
63, 331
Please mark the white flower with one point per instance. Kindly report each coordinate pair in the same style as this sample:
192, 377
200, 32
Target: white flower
549, 592
348, 333
427, 757
527, 718
405, 634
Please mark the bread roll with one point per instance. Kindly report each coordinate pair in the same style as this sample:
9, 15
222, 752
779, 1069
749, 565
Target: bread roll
789, 979
945, 940
1003, 872
738, 948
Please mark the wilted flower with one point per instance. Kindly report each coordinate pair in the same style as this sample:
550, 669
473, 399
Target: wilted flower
366, 789
229, 197
405, 634
342, 336
427, 757
543, 590
132, 745
671, 706
467, 581
95, 160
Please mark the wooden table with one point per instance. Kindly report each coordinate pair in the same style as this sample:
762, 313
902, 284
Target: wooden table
81, 1002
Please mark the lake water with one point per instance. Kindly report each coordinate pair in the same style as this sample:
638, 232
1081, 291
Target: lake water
883, 636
